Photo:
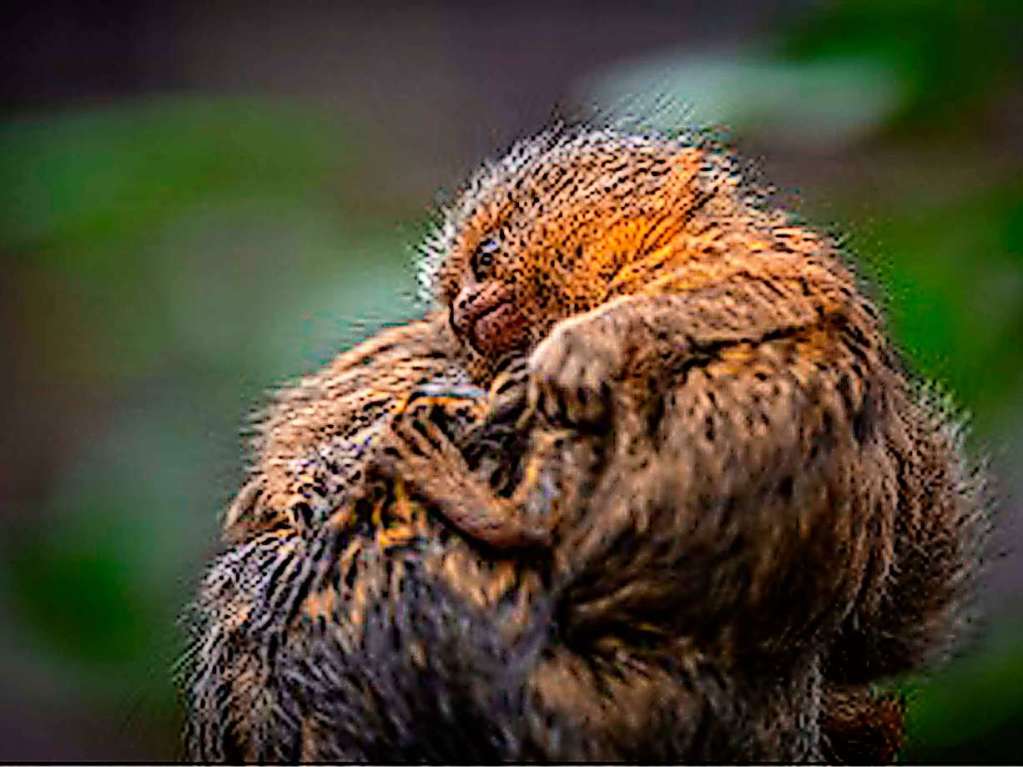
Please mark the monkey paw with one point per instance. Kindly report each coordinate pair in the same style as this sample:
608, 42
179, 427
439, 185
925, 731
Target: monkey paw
455, 409
508, 397
418, 448
571, 373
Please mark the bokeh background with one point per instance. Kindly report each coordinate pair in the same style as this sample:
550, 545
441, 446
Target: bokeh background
201, 201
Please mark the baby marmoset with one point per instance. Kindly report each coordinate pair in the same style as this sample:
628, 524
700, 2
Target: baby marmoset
761, 496
766, 445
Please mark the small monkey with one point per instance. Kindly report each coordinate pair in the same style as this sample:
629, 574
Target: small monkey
704, 497
762, 438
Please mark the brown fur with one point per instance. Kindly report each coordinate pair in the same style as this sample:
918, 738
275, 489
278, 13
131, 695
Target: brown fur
728, 487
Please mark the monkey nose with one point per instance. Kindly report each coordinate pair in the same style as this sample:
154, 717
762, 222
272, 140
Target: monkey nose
474, 301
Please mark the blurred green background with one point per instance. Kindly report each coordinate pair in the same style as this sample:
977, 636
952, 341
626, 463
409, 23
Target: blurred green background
197, 204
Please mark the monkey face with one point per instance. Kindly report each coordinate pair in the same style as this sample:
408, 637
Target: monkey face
555, 229
485, 311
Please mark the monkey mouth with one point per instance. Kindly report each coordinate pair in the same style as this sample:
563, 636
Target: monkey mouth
490, 320
498, 329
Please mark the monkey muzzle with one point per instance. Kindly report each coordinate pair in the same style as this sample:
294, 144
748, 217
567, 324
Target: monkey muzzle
487, 316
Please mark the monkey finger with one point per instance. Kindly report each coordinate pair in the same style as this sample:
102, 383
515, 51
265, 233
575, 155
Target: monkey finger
409, 438
591, 407
509, 394
443, 446
514, 376
552, 402
532, 406
595, 392
572, 396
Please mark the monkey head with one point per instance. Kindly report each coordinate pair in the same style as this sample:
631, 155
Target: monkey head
561, 224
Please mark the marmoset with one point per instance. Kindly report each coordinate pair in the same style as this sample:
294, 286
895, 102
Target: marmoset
722, 493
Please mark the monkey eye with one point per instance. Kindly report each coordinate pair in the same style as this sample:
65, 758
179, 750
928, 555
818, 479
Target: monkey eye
483, 257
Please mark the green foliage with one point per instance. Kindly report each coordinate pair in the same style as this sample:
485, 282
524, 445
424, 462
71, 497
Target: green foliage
950, 55
963, 714
953, 279
79, 595
177, 228
83, 188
